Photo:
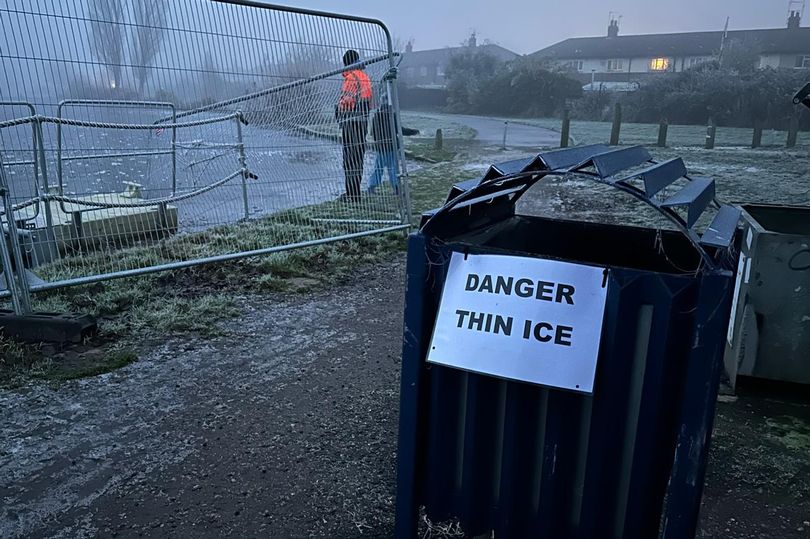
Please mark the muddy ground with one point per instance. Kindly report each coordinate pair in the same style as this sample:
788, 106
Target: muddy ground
285, 426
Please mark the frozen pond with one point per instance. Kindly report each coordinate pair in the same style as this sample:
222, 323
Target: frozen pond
292, 170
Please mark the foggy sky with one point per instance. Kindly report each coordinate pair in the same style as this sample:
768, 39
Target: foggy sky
529, 25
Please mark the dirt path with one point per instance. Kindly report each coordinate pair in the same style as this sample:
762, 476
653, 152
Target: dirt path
285, 426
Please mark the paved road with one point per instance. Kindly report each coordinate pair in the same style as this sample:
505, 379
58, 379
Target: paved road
490, 131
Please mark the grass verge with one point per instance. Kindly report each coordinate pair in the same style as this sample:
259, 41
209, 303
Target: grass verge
85, 367
195, 300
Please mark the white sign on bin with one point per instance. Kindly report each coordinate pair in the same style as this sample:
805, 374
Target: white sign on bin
526, 319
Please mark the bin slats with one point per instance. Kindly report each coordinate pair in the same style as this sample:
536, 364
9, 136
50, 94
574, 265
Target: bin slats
482, 443
610, 409
567, 158
461, 187
662, 304
521, 472
508, 167
658, 176
559, 457
695, 195
696, 408
610, 163
442, 487
721, 230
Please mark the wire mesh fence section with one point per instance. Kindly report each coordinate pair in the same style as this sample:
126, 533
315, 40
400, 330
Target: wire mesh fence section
147, 134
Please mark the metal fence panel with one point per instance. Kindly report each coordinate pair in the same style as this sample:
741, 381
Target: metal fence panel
143, 135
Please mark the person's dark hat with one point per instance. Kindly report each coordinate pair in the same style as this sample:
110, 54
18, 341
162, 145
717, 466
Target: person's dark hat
350, 57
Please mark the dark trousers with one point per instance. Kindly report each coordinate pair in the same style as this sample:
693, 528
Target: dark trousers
354, 152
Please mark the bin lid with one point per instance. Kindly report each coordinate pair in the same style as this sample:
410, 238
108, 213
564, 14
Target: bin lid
631, 170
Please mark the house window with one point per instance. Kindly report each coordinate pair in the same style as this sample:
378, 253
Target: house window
576, 65
659, 64
440, 71
615, 65
410, 72
803, 62
697, 60
423, 71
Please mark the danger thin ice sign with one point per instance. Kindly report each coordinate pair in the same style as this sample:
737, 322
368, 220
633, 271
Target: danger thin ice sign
527, 319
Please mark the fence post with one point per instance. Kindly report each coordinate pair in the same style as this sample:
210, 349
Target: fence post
505, 128
392, 92
711, 132
17, 281
174, 149
439, 139
756, 142
565, 132
663, 130
242, 164
617, 125
53, 248
793, 131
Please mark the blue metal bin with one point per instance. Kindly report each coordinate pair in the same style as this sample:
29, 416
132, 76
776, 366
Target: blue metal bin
524, 460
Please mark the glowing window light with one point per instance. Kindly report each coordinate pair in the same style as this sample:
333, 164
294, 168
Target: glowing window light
659, 64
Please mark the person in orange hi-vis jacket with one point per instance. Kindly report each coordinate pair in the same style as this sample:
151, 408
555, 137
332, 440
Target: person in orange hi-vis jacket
352, 112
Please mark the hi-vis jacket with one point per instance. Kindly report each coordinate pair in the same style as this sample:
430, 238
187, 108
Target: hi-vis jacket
355, 96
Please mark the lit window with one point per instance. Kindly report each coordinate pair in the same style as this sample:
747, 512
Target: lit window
615, 65
659, 64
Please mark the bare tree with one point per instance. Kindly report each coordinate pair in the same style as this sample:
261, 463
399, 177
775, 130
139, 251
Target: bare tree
147, 38
107, 36
301, 104
211, 82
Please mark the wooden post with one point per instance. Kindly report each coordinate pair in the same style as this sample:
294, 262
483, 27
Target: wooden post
756, 142
565, 132
663, 129
617, 125
711, 132
439, 139
793, 131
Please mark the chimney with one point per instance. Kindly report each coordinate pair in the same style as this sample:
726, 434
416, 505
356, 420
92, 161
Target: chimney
409, 46
613, 28
795, 20
473, 41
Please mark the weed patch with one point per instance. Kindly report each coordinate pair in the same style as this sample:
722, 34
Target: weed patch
87, 366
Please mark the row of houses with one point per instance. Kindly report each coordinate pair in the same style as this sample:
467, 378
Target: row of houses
616, 60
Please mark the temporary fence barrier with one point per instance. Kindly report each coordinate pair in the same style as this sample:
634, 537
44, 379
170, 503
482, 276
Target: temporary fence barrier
149, 135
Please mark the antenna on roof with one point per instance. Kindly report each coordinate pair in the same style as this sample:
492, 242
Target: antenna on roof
723, 40
613, 27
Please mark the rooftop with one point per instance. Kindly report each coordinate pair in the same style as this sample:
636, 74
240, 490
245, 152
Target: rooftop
766, 41
442, 56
